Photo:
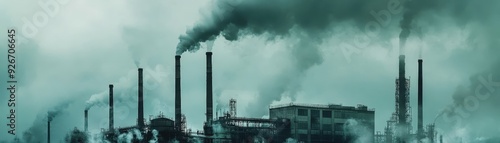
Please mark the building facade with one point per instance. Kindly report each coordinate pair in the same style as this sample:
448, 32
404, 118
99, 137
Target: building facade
313, 123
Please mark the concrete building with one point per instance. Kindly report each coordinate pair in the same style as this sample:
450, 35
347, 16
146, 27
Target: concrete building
327, 123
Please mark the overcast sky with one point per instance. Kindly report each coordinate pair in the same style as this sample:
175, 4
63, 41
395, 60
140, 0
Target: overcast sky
87, 44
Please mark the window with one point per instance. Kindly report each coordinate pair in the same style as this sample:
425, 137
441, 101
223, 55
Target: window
302, 112
327, 114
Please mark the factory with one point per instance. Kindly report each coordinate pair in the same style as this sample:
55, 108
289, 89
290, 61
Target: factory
301, 122
323, 123
308, 123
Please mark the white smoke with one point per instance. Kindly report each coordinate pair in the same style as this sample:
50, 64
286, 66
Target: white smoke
155, 137
96, 137
218, 130
210, 44
290, 140
128, 137
360, 132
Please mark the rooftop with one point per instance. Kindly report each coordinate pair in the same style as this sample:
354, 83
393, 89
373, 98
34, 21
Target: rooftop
360, 107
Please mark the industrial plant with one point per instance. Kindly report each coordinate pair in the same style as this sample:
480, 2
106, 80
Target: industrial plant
298, 122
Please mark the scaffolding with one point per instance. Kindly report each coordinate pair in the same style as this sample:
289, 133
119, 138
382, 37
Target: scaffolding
403, 128
232, 107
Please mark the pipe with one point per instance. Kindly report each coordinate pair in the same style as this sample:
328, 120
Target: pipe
140, 113
86, 125
209, 87
111, 118
420, 98
178, 92
48, 131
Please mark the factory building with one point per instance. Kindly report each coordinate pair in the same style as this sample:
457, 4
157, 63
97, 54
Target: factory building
324, 123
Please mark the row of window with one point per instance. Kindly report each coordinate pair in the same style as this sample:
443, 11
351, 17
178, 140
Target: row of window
314, 113
328, 114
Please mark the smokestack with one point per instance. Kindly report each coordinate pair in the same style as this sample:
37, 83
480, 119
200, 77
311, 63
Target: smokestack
420, 99
111, 118
48, 131
86, 125
209, 87
140, 113
402, 90
402, 103
178, 92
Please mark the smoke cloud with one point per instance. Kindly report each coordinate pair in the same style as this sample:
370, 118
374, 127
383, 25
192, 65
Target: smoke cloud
357, 131
233, 19
472, 115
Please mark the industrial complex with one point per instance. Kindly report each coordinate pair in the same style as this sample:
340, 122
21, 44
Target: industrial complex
298, 122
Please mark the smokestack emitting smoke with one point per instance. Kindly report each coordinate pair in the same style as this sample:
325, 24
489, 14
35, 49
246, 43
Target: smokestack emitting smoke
86, 120
420, 125
140, 113
178, 92
111, 118
50, 117
402, 118
209, 87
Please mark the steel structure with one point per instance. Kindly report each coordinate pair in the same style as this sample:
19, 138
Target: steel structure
243, 130
232, 107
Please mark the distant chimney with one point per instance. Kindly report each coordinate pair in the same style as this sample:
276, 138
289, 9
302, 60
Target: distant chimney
178, 92
209, 87
111, 118
140, 113
420, 99
86, 125
48, 131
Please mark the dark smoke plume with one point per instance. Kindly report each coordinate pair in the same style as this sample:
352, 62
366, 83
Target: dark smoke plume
412, 8
235, 18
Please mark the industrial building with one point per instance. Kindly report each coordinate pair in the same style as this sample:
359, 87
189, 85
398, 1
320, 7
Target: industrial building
308, 123
225, 129
312, 123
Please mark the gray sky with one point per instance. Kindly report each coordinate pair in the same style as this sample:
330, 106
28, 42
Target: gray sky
85, 45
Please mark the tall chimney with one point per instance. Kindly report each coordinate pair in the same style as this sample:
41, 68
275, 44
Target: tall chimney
178, 92
402, 100
86, 125
420, 99
48, 131
402, 90
140, 113
209, 87
111, 118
